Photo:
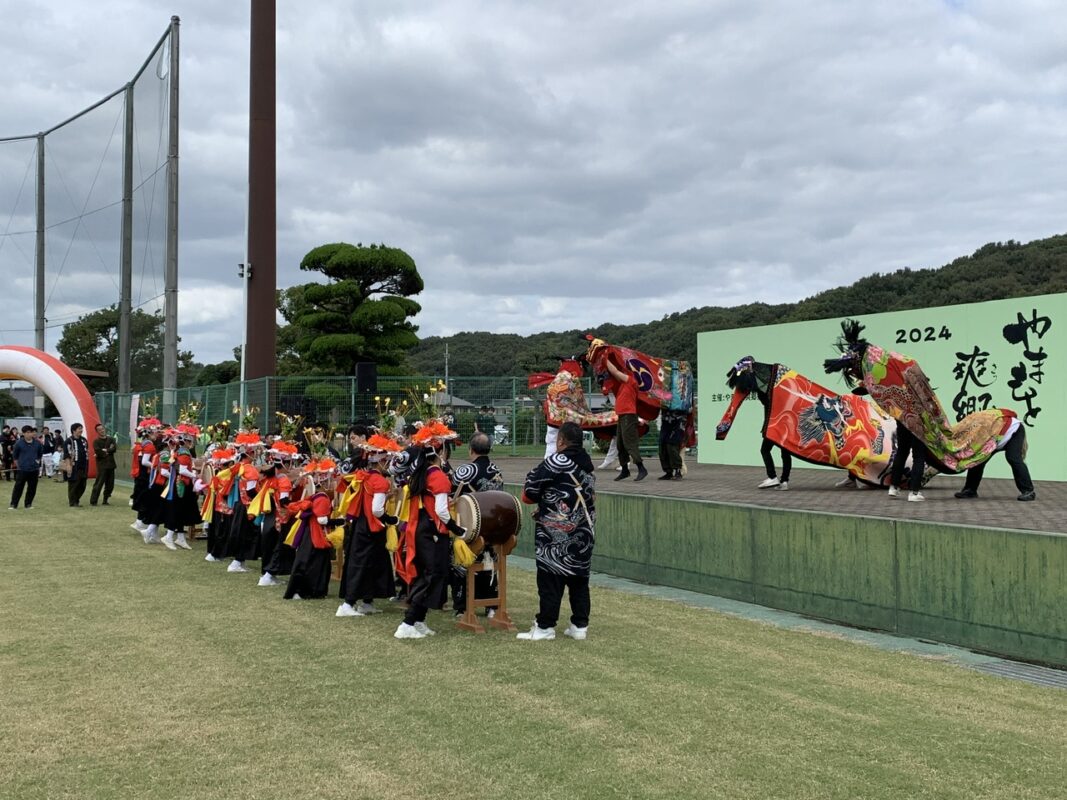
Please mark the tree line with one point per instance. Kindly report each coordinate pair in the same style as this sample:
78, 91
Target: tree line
363, 313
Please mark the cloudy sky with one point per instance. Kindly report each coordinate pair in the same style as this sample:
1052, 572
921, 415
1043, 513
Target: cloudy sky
553, 165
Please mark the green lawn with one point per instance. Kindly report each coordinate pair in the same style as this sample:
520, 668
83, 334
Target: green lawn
133, 672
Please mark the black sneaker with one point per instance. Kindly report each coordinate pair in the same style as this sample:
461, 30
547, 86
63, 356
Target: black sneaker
642, 473
623, 475
1025, 496
666, 476
966, 493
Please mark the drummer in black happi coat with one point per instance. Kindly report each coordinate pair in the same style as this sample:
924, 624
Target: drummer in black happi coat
563, 487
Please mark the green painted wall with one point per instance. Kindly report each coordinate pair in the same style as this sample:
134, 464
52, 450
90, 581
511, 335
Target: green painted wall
941, 339
994, 590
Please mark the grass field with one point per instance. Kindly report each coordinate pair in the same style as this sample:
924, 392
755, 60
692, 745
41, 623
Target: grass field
130, 671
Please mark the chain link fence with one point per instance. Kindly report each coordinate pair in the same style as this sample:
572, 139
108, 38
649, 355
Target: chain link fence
506, 406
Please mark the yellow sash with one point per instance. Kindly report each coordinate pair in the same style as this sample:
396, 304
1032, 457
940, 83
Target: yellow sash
261, 503
353, 489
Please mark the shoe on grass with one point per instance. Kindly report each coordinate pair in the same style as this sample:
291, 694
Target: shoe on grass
236, 566
425, 631
168, 541
576, 633
345, 610
405, 631
210, 557
537, 634
266, 579
367, 609
181, 542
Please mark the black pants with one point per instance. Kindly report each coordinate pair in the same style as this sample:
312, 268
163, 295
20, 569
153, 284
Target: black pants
76, 488
628, 440
550, 591
670, 457
1013, 451
908, 442
768, 462
27, 479
105, 479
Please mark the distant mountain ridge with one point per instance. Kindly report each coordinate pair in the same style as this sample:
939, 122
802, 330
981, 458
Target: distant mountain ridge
996, 271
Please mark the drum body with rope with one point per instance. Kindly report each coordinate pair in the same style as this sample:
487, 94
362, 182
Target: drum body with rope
494, 516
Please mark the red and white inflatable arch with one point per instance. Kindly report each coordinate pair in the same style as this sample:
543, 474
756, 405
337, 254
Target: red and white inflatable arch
59, 383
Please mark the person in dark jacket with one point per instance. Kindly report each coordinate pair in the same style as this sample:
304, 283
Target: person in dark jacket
104, 447
563, 487
76, 448
27, 454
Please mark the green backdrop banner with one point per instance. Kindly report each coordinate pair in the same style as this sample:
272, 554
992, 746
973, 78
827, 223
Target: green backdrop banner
1004, 353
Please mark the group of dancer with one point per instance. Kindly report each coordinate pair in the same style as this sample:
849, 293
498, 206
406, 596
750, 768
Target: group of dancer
889, 431
385, 513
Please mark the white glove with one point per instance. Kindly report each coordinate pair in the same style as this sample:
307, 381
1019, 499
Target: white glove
250, 485
165, 473
323, 520
199, 486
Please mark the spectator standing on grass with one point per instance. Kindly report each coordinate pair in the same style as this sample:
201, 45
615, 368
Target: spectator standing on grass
76, 448
48, 448
7, 443
27, 454
104, 447
563, 487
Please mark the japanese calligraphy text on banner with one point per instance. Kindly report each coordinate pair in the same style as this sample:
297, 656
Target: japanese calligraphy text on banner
1000, 354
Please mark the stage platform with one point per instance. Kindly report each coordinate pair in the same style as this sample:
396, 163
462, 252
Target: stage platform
989, 574
813, 490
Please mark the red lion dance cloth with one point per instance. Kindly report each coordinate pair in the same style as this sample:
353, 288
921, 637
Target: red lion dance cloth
661, 383
816, 424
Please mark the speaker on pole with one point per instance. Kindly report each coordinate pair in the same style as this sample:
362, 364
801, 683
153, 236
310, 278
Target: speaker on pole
367, 377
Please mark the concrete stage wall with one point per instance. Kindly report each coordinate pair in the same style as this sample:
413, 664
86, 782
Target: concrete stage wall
999, 591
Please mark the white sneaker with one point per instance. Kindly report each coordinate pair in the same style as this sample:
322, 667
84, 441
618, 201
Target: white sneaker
182, 543
578, 634
210, 557
845, 482
783, 486
606, 464
405, 631
862, 485
236, 566
149, 535
894, 491
536, 634
768, 483
367, 609
266, 579
425, 631
168, 541
916, 497
139, 526
490, 613
345, 610
297, 597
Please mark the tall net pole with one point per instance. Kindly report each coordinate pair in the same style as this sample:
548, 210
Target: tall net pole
170, 291
126, 251
261, 261
38, 313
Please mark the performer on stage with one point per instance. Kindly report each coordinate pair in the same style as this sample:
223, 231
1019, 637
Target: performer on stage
563, 487
748, 376
480, 475
901, 389
1014, 446
628, 437
368, 569
424, 556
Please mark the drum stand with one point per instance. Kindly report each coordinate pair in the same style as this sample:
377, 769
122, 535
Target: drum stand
501, 619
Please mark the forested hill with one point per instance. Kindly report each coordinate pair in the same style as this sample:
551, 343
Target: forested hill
996, 271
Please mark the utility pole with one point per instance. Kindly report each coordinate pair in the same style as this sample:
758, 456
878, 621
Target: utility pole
38, 313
